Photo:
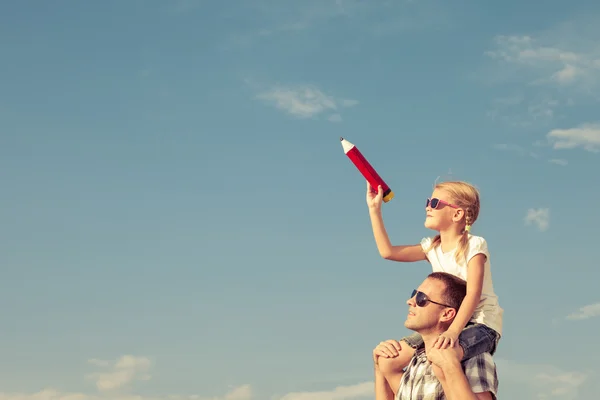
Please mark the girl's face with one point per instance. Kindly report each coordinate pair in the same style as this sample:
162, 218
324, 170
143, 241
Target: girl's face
440, 213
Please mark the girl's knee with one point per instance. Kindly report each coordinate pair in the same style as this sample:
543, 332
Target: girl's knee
460, 351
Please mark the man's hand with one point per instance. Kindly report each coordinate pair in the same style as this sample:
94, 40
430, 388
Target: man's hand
446, 339
454, 380
387, 349
444, 357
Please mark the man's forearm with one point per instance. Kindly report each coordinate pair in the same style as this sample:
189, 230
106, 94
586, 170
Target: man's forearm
455, 384
382, 388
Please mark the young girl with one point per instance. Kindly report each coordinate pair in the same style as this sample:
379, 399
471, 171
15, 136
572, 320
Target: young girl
451, 211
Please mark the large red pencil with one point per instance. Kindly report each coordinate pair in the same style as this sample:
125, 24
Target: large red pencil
366, 169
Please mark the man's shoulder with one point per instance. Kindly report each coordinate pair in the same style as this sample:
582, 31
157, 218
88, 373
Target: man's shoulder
480, 371
483, 360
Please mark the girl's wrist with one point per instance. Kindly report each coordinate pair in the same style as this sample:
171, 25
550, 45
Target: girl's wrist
374, 210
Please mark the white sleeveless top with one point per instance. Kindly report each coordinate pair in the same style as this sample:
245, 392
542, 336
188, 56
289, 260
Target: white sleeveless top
488, 311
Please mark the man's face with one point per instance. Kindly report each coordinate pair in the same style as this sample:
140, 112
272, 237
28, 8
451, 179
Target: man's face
428, 316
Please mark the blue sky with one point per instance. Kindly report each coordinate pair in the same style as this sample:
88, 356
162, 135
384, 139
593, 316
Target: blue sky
179, 219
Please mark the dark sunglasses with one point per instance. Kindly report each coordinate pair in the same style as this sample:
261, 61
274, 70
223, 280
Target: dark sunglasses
435, 203
421, 299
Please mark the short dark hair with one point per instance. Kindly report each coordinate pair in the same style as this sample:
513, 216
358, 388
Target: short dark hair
455, 288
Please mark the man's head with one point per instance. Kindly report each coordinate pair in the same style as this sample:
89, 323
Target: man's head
435, 304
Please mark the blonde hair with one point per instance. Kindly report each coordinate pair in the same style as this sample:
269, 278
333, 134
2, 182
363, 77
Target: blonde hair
465, 196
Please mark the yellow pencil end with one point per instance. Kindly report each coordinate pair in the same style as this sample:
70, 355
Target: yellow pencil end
388, 196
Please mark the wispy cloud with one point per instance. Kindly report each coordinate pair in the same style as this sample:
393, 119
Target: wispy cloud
243, 392
239, 393
552, 75
358, 391
586, 136
585, 312
542, 381
335, 118
273, 17
114, 382
185, 6
547, 62
520, 111
305, 101
309, 12
524, 152
362, 19
540, 217
558, 161
123, 372
516, 149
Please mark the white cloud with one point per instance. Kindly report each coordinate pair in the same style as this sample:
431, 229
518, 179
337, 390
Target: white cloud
124, 371
240, 393
540, 217
542, 381
305, 101
358, 391
567, 74
586, 136
585, 312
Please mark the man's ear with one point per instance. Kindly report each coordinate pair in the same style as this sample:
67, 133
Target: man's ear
448, 315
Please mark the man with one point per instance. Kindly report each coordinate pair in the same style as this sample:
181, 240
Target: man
434, 373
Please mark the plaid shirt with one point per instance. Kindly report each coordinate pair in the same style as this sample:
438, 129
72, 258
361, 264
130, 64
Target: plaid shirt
420, 383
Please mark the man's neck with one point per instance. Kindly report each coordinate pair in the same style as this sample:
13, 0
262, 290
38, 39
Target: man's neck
429, 339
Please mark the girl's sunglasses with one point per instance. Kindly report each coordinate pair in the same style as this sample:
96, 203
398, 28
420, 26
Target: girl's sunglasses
421, 299
435, 203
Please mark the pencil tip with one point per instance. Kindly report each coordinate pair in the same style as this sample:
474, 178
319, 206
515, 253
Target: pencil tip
341, 138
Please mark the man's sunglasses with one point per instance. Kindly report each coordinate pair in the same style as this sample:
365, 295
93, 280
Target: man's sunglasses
421, 299
435, 203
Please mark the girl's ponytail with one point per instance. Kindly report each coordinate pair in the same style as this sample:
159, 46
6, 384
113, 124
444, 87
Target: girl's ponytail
463, 243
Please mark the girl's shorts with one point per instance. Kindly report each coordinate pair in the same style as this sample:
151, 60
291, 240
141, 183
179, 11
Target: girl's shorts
474, 339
